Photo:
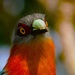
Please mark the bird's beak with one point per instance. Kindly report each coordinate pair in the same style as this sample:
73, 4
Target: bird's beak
39, 27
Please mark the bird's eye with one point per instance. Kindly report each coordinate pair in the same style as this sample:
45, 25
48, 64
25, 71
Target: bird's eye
46, 22
22, 30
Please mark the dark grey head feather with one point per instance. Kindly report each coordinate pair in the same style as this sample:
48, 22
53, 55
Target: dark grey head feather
28, 20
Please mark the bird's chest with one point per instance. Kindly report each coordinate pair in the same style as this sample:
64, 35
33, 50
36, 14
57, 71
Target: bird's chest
43, 66
32, 59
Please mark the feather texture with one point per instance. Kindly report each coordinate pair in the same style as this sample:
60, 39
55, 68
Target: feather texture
33, 58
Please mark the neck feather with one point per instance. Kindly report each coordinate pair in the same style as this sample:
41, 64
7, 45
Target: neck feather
34, 58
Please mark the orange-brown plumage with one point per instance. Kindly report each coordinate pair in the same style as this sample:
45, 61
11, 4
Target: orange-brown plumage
32, 52
32, 58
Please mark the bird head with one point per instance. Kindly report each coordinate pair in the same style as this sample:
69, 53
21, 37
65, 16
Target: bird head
30, 27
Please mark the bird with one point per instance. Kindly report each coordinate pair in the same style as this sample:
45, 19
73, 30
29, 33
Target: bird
33, 49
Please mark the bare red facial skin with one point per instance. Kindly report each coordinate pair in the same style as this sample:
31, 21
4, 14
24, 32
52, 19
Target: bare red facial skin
21, 24
26, 28
45, 20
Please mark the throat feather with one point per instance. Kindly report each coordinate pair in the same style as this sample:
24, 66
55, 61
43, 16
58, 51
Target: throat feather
32, 59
